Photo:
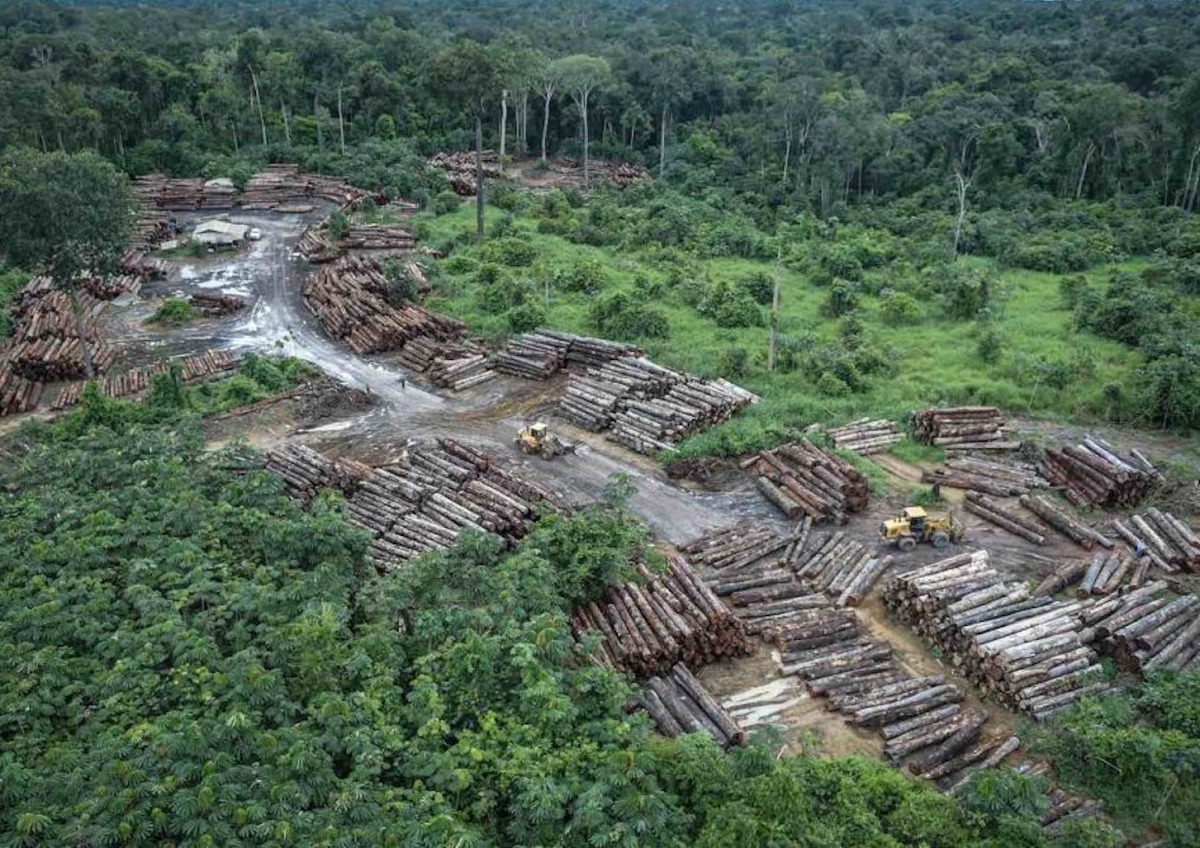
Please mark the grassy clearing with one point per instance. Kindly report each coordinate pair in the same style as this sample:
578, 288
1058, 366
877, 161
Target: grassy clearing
1045, 367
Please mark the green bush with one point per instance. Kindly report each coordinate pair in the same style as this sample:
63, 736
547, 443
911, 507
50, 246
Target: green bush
505, 292
899, 308
504, 195
623, 316
445, 203
174, 311
842, 300
526, 317
733, 363
730, 306
587, 276
759, 285
512, 251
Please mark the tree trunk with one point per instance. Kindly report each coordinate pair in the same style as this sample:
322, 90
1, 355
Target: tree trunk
1087, 159
787, 148
287, 126
262, 121
479, 175
1192, 182
341, 123
774, 322
963, 185
503, 125
317, 118
583, 108
546, 98
662, 142
89, 369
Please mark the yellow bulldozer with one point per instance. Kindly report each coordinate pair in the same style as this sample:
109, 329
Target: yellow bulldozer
916, 525
537, 439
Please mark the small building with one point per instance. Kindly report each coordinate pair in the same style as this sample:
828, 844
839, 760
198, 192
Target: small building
219, 233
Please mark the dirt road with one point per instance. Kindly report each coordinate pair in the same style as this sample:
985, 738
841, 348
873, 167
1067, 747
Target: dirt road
271, 276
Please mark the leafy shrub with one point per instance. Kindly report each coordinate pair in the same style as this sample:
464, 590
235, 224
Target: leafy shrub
759, 285
339, 226
989, 344
622, 316
648, 286
898, 308
512, 251
174, 311
1128, 310
504, 195
526, 317
504, 293
401, 287
587, 275
445, 203
836, 262
842, 300
729, 305
733, 363
966, 290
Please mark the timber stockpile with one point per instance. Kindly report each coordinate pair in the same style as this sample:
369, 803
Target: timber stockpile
280, 188
1169, 543
626, 174
966, 428
44, 346
210, 365
1147, 629
843, 569
1065, 522
989, 476
460, 169
1029, 651
210, 305
1106, 574
803, 479
1006, 516
349, 297
921, 719
17, 394
541, 354
865, 437
645, 628
451, 365
136, 263
647, 407
378, 239
1095, 474
679, 704
423, 502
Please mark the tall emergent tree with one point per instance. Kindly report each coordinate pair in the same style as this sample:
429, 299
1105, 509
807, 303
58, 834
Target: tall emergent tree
473, 74
67, 215
581, 75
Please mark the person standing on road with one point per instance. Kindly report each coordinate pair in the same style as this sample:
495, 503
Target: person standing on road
403, 383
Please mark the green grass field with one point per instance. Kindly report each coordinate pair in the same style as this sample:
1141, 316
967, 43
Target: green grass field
1046, 367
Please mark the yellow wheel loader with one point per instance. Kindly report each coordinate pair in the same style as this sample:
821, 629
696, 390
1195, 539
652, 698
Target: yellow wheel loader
916, 525
537, 439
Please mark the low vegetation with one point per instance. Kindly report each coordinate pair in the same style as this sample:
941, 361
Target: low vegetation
174, 312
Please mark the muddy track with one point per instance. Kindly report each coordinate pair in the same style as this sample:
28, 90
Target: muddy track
272, 277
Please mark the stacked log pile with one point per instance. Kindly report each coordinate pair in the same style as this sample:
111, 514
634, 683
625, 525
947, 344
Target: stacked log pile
688, 407
680, 704
803, 479
382, 239
150, 230
216, 305
1064, 522
991, 477
422, 503
1028, 651
210, 365
136, 263
646, 407
626, 174
1094, 474
646, 628
540, 354
179, 195
305, 472
452, 365
349, 298
1148, 629
45, 344
1105, 574
17, 394
460, 169
1169, 543
843, 569
865, 436
1004, 515
962, 428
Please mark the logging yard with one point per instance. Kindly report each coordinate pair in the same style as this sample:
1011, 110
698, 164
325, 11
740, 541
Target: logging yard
776, 603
